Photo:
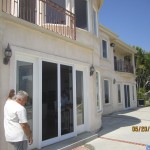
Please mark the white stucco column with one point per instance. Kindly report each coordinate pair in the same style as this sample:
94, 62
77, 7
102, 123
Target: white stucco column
3, 85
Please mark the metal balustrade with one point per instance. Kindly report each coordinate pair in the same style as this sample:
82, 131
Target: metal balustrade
44, 13
123, 66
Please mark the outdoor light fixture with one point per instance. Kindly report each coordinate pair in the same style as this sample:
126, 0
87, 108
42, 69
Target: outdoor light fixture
114, 81
92, 69
112, 44
7, 54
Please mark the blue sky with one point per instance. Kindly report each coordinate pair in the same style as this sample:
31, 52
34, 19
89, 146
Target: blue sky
129, 19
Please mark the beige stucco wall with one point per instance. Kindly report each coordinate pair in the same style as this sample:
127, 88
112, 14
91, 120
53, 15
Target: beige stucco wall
34, 41
4, 77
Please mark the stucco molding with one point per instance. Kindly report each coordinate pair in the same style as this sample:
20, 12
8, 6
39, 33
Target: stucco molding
100, 2
35, 27
115, 38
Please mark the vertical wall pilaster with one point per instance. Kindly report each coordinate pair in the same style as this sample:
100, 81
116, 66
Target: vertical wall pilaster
3, 84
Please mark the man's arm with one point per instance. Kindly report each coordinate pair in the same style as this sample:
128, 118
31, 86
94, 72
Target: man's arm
27, 131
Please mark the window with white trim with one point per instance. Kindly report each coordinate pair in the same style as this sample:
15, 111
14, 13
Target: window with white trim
81, 12
119, 93
104, 49
98, 103
106, 92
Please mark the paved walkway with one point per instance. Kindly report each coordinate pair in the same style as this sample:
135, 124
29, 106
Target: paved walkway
125, 130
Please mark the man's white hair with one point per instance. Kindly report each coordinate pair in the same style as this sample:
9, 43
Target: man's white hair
21, 95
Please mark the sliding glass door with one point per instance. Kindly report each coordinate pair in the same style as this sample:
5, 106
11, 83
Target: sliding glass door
57, 100
49, 101
66, 99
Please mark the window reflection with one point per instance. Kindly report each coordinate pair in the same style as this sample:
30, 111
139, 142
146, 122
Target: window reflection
25, 83
106, 91
49, 101
81, 8
66, 99
80, 97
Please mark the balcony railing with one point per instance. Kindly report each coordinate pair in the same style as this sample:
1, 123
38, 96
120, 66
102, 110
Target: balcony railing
44, 13
123, 66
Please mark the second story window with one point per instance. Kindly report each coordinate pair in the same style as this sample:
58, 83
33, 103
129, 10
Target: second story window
81, 14
104, 49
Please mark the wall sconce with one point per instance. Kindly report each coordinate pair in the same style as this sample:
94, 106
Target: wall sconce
7, 54
112, 44
114, 81
92, 69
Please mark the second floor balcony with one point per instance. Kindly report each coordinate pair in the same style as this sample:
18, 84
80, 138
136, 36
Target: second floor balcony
44, 13
123, 66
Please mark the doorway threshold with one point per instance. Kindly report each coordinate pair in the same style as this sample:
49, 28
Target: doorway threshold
74, 142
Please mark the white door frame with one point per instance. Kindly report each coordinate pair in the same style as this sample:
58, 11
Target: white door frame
37, 94
60, 137
83, 127
30, 59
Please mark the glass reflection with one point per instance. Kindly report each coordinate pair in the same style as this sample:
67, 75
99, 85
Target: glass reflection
49, 101
66, 99
80, 97
25, 82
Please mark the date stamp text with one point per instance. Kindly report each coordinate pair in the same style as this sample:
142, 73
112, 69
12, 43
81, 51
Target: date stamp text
140, 128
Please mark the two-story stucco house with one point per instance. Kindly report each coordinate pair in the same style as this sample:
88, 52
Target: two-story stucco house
66, 63
117, 70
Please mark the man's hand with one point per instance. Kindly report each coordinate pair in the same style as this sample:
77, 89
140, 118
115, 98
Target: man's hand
27, 131
30, 139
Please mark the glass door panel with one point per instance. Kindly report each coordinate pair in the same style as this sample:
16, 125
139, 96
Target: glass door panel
49, 101
24, 81
80, 97
66, 82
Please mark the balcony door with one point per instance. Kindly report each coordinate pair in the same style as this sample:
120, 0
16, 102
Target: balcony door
27, 10
54, 14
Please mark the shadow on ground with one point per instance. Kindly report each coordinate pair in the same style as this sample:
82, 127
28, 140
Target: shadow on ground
117, 120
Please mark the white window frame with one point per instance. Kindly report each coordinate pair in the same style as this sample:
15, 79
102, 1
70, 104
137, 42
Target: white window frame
106, 49
108, 91
88, 14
